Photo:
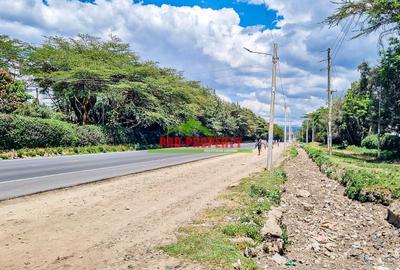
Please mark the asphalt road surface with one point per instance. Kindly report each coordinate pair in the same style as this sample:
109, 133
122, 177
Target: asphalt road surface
27, 176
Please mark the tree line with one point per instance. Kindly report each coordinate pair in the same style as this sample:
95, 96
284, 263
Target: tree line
374, 99
95, 82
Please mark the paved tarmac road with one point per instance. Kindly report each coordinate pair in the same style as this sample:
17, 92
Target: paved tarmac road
27, 176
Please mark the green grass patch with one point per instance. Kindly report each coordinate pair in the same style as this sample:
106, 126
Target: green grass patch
55, 151
366, 178
209, 247
292, 152
241, 215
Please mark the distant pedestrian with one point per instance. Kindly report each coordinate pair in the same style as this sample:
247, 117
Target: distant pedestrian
258, 146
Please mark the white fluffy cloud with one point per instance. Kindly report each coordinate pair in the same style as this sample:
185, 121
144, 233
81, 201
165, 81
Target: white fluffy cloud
208, 44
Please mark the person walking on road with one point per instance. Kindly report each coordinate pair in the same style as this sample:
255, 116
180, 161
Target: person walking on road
258, 146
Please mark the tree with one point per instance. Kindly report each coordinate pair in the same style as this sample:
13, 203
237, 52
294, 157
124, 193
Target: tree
356, 108
12, 54
389, 76
12, 93
374, 15
77, 71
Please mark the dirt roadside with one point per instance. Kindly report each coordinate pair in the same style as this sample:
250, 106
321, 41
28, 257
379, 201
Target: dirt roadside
329, 231
115, 224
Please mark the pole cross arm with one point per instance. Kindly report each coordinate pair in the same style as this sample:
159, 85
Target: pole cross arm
251, 51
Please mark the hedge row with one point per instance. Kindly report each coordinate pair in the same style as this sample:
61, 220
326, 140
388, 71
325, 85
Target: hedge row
363, 184
18, 132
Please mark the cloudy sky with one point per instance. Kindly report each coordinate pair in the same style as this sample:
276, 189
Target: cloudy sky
205, 38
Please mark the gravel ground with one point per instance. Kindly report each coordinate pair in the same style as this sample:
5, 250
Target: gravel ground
115, 224
329, 231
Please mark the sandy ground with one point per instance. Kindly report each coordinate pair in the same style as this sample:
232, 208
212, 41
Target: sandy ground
329, 231
115, 224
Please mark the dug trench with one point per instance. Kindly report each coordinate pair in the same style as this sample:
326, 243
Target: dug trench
326, 230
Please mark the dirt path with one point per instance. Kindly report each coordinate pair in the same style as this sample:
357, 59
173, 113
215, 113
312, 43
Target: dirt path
329, 231
114, 224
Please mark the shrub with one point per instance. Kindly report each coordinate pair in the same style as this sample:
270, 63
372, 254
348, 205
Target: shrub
370, 142
18, 132
391, 143
91, 135
34, 110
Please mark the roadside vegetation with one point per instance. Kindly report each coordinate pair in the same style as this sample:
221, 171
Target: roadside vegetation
292, 152
221, 235
92, 92
56, 151
357, 168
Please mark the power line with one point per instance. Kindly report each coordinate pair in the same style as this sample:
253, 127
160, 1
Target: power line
345, 33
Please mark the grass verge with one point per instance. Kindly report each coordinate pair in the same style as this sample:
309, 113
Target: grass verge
221, 234
55, 151
365, 177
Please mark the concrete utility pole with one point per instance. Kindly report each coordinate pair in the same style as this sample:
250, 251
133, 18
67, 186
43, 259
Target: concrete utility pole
285, 133
272, 108
313, 132
329, 103
379, 120
307, 130
275, 59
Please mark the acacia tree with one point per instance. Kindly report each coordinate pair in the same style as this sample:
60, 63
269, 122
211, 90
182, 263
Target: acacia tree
76, 71
12, 54
374, 15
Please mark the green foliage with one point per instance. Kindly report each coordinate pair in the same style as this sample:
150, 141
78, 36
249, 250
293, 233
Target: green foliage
355, 112
370, 142
391, 143
190, 128
27, 132
357, 115
375, 14
54, 151
365, 178
285, 236
104, 82
39, 111
292, 152
12, 53
210, 247
243, 229
12, 93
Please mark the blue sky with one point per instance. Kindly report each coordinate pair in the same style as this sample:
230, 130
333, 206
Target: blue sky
205, 39
250, 14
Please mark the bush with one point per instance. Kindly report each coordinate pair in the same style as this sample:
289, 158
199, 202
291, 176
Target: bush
391, 143
34, 110
18, 132
370, 142
91, 135
388, 142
